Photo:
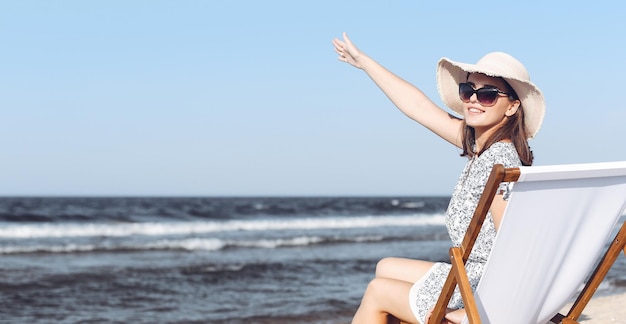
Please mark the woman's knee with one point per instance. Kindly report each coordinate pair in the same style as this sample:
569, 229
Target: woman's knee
385, 266
375, 289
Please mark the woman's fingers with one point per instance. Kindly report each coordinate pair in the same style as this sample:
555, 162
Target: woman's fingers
340, 49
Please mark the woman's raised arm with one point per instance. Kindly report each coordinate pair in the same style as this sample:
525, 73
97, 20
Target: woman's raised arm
408, 98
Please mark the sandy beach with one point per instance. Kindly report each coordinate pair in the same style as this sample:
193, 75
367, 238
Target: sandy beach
603, 309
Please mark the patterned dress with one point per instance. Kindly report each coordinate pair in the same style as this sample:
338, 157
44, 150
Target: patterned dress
467, 192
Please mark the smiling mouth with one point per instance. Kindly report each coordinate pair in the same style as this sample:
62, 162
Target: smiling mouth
474, 110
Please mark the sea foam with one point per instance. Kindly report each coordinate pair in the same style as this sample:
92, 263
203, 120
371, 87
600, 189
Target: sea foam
55, 230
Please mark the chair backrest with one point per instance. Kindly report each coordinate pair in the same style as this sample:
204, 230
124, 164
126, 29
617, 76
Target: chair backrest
555, 227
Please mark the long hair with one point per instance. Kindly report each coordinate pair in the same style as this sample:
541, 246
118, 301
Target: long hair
514, 129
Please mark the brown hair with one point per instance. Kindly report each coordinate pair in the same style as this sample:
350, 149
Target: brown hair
514, 129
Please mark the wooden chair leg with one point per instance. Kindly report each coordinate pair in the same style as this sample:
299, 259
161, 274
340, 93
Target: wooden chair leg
464, 285
618, 244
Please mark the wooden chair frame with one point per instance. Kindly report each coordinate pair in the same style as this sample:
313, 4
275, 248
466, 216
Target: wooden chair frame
459, 255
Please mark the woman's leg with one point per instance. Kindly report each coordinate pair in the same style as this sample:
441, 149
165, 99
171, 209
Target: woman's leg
402, 269
385, 296
388, 293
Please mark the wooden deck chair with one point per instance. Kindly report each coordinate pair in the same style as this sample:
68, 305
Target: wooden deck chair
555, 228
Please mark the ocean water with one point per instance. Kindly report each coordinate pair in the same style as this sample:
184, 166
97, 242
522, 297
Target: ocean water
209, 260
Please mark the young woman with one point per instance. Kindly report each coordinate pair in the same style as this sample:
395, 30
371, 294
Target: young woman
501, 109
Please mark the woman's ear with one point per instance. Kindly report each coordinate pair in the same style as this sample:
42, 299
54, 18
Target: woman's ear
512, 108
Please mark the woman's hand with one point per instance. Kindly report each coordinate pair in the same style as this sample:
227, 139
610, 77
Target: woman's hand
453, 316
347, 51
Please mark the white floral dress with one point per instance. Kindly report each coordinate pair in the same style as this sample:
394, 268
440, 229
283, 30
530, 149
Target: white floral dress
467, 192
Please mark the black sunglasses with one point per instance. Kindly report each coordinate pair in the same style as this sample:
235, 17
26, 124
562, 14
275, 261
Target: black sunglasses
487, 97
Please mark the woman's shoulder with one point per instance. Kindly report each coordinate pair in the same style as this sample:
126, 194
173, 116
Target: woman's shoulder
503, 153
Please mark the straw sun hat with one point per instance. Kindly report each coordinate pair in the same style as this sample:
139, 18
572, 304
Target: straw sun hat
496, 64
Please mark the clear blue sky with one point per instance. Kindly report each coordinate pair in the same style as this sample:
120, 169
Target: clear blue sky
222, 98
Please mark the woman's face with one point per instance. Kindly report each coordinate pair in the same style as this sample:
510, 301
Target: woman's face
487, 119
